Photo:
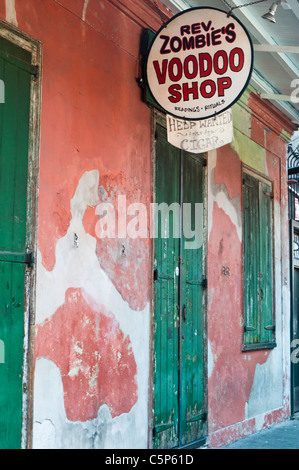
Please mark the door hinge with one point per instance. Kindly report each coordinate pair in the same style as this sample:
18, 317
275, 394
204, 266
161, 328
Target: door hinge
35, 72
161, 428
270, 327
249, 328
23, 258
198, 282
269, 194
29, 259
159, 275
200, 417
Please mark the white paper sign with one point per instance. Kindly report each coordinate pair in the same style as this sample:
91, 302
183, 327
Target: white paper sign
199, 63
200, 136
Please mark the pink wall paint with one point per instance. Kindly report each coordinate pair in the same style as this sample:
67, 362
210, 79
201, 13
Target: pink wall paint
232, 377
231, 381
92, 118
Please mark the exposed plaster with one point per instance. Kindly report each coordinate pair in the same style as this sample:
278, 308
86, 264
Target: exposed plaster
79, 267
267, 389
218, 194
210, 360
11, 15
85, 9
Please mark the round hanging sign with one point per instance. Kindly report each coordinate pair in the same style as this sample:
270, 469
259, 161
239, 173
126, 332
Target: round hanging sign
199, 63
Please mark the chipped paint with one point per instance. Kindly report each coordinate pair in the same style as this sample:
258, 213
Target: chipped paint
243, 388
11, 15
86, 2
250, 152
90, 342
96, 361
93, 296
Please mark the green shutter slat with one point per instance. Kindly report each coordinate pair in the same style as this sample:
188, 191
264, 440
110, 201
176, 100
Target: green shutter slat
179, 345
166, 301
192, 349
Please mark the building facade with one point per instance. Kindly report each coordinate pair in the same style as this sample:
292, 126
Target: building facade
128, 340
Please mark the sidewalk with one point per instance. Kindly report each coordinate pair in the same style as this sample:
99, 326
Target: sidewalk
284, 435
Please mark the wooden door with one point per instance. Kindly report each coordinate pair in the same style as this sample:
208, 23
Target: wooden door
15, 73
179, 398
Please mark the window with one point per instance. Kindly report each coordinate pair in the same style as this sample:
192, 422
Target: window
259, 325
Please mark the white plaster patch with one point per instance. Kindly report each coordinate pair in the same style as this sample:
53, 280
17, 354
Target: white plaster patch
225, 204
45, 433
222, 199
78, 267
267, 389
259, 422
11, 15
52, 430
210, 360
85, 9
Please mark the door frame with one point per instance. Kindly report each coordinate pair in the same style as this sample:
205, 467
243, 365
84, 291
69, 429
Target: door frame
294, 226
158, 117
24, 41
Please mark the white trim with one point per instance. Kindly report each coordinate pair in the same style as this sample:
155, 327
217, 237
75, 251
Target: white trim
276, 48
278, 97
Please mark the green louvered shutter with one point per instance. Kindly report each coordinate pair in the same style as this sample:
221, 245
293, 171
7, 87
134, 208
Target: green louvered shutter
259, 326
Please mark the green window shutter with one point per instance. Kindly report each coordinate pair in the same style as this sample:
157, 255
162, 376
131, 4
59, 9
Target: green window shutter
259, 326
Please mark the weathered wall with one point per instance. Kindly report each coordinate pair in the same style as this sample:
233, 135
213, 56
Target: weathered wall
246, 390
92, 306
92, 345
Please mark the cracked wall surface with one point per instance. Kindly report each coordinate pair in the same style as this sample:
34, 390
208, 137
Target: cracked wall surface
244, 387
93, 296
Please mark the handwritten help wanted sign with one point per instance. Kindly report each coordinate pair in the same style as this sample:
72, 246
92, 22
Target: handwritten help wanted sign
201, 136
199, 63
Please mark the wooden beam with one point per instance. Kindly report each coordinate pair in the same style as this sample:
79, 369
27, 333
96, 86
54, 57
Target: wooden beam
277, 97
276, 48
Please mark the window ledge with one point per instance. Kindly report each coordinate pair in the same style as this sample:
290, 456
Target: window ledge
255, 346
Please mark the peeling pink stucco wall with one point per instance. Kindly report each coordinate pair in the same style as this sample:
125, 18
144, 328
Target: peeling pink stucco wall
232, 373
93, 356
93, 121
96, 145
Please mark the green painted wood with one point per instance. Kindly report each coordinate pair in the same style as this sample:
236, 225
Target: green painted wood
258, 263
179, 414
14, 134
192, 331
166, 298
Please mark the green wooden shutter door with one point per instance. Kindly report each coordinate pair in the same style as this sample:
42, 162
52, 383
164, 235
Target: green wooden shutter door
166, 300
14, 132
179, 413
192, 349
